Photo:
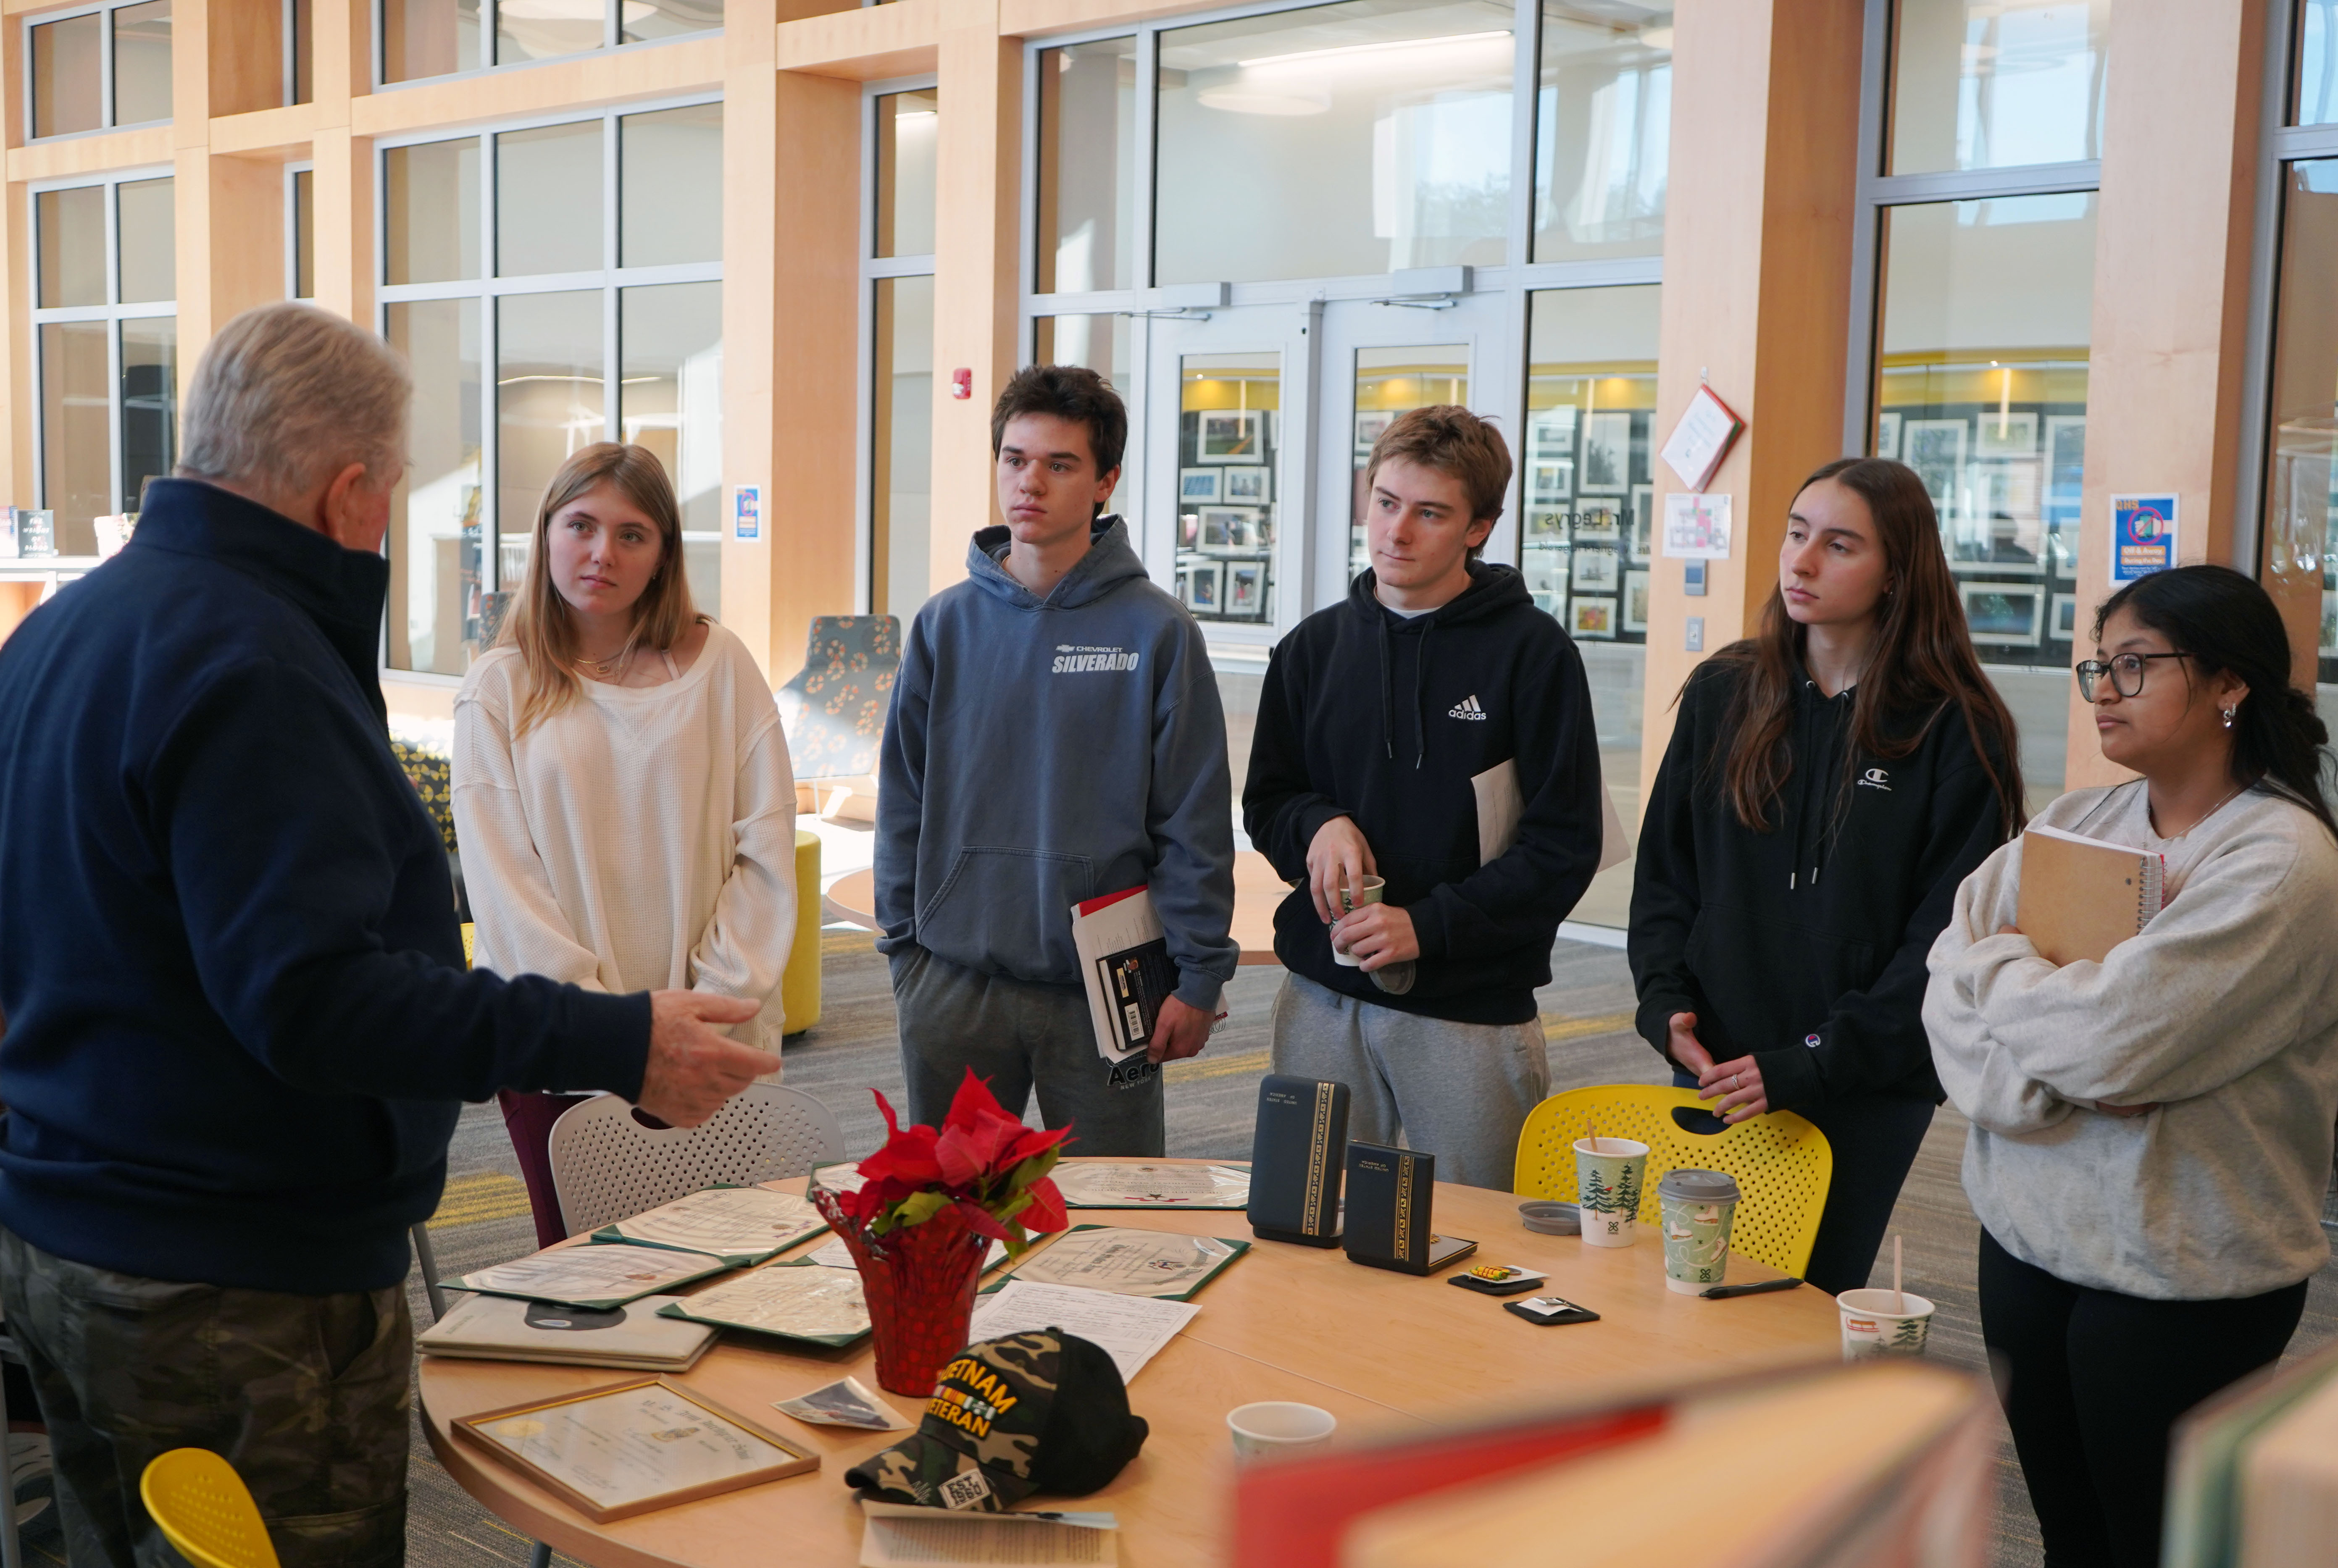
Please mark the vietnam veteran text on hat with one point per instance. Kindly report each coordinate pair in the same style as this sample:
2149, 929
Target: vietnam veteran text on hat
1044, 1411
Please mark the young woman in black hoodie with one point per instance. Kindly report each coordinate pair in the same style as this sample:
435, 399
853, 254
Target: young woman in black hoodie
1829, 781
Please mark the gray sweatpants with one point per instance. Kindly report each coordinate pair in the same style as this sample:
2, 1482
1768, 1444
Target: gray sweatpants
1021, 1036
1460, 1091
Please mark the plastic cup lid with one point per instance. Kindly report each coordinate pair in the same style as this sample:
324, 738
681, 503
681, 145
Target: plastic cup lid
1699, 1187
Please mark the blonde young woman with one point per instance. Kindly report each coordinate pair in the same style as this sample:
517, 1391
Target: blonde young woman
623, 790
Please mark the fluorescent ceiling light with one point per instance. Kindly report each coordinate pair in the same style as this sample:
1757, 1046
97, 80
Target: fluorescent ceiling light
1374, 48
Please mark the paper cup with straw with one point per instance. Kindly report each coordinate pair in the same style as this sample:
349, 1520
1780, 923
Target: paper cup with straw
1607, 1173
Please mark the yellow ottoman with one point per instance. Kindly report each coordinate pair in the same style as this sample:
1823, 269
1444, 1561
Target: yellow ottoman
800, 987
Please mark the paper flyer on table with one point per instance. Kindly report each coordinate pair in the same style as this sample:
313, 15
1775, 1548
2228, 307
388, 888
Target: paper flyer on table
895, 1534
1131, 1328
744, 1224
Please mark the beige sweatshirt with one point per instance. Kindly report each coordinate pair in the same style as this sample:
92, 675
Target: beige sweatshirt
642, 839
2224, 1011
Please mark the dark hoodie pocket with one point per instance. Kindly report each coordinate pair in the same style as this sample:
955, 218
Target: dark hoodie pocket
1008, 912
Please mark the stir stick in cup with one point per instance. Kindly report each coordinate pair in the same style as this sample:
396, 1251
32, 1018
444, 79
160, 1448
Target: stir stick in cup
1899, 1297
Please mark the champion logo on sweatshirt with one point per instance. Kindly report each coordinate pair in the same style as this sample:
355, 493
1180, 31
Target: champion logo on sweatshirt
1074, 659
1467, 709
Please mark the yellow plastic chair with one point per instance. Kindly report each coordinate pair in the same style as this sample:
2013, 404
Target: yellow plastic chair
1781, 1161
799, 982
205, 1510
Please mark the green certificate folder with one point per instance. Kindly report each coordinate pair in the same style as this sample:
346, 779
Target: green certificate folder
593, 1275
1162, 1264
800, 1300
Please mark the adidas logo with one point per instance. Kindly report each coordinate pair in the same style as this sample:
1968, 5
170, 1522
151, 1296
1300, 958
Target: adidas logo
1467, 709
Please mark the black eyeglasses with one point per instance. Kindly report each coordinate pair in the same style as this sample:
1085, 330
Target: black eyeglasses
2126, 670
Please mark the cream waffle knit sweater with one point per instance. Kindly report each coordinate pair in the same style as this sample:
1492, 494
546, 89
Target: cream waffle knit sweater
642, 839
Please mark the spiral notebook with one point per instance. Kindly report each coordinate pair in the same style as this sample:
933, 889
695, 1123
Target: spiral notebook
2080, 898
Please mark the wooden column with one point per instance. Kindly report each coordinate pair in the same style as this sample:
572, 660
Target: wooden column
2172, 247
977, 255
1758, 212
791, 327
341, 70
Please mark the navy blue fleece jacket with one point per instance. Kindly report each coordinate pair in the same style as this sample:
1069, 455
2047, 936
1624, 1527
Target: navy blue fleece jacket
238, 1021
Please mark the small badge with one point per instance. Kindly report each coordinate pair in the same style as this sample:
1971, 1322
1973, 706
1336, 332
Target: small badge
1551, 1309
1496, 1279
967, 1489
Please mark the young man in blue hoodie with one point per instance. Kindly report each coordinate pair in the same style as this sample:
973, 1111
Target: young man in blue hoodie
1399, 735
1056, 736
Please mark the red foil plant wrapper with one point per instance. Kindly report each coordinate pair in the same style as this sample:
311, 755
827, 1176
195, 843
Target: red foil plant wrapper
929, 1204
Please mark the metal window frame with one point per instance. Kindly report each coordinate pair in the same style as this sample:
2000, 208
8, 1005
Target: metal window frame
113, 313
490, 288
1517, 281
107, 123
611, 30
2280, 144
1878, 191
292, 225
875, 269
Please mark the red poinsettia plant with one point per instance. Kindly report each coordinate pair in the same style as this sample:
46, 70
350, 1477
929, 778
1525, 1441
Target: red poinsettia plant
981, 1162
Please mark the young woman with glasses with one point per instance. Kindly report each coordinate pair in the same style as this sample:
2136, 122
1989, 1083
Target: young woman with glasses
2152, 1135
623, 791
1829, 781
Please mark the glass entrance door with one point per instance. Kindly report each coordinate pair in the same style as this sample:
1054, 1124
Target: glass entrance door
1381, 359
1224, 472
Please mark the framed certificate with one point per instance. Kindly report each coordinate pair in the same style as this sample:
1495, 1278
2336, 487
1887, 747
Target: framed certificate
627, 1448
1165, 1264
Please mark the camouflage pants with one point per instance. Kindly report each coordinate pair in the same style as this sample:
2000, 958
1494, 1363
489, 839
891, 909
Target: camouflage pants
308, 1396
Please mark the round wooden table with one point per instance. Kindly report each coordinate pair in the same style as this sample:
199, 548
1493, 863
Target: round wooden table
1385, 1352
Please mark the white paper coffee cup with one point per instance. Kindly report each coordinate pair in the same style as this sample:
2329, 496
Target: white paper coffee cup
1607, 1173
1278, 1426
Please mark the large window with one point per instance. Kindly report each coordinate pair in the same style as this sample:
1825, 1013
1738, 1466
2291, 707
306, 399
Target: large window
2298, 532
1602, 131
1588, 542
105, 335
1977, 240
553, 286
898, 273
438, 38
100, 67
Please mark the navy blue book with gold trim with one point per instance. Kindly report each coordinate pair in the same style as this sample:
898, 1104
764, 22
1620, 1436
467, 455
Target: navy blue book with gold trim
1294, 1165
1390, 1194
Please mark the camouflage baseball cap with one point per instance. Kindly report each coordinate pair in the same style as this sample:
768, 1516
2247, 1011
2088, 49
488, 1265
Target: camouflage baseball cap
1044, 1411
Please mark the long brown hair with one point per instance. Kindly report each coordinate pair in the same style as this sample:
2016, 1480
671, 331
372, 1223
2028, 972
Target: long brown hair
541, 626
1923, 662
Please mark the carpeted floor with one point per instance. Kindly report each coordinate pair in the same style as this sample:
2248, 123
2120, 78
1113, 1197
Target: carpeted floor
1586, 1012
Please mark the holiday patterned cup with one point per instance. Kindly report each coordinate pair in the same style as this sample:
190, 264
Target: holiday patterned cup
1607, 1173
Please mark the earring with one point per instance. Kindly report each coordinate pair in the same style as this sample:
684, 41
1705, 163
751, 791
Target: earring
2228, 717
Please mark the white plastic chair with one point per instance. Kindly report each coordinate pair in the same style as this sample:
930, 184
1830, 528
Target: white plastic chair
605, 1165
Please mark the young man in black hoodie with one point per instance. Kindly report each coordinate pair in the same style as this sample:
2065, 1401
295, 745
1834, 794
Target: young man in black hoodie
1434, 730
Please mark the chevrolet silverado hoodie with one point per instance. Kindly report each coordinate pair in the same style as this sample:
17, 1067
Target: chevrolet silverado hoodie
1803, 945
1387, 719
1045, 752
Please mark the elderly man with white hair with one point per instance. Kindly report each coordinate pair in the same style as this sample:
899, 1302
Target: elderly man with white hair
238, 1021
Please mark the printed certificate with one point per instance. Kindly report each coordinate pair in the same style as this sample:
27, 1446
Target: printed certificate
614, 1452
1115, 1184
1156, 1263
739, 1224
592, 1275
796, 1301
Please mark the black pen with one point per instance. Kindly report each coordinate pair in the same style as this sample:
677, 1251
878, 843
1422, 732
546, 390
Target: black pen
1723, 1292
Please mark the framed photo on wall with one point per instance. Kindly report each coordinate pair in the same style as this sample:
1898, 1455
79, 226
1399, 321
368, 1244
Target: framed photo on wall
2004, 614
2064, 626
1546, 525
1596, 571
1591, 617
1607, 455
2329, 624
1230, 528
1202, 585
1229, 436
2006, 434
1935, 449
1369, 423
1887, 435
1599, 524
1198, 487
1641, 528
1244, 486
1635, 601
1246, 590
1550, 443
